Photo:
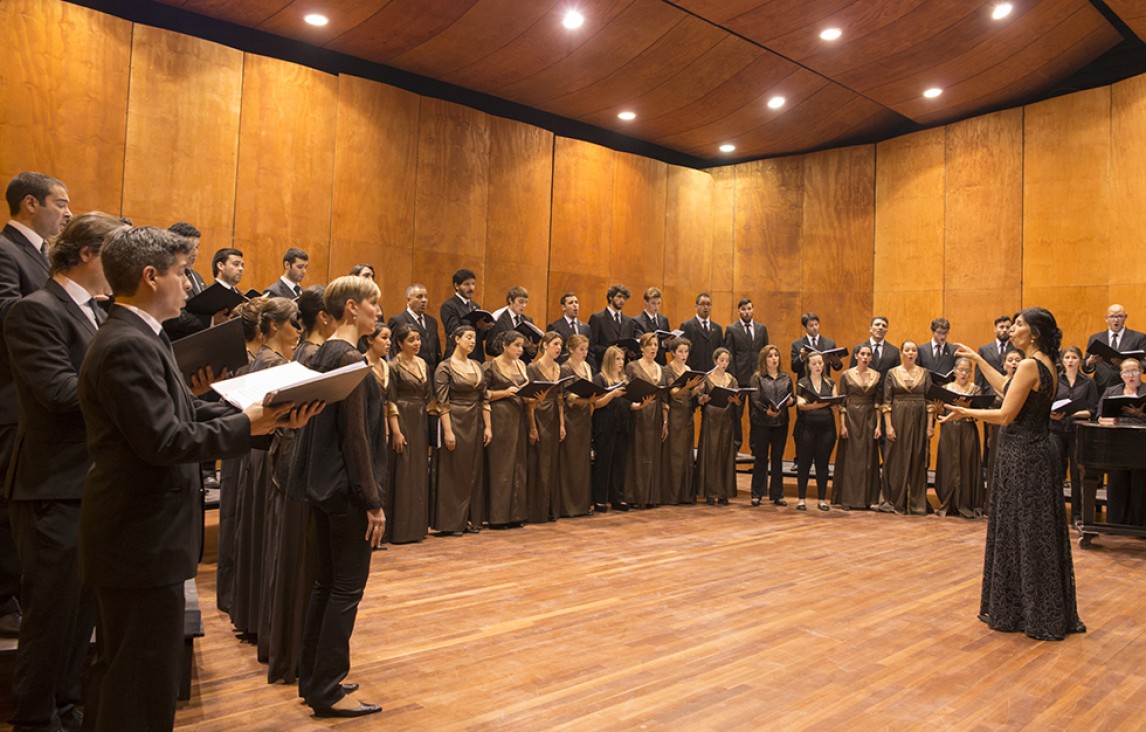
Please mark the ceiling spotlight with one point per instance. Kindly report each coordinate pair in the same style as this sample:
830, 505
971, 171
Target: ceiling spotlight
316, 19
573, 20
627, 116
727, 148
1001, 11
831, 34
775, 102
932, 92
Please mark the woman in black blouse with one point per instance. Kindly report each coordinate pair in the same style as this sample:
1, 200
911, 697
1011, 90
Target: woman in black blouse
769, 425
612, 430
818, 436
339, 469
1079, 389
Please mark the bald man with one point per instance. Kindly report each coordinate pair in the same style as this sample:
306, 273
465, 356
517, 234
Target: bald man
1118, 337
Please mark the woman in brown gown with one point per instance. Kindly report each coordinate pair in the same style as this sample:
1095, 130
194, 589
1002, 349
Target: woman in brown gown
463, 401
958, 464
857, 454
376, 347
577, 448
546, 413
679, 469
716, 458
505, 460
650, 430
409, 398
909, 422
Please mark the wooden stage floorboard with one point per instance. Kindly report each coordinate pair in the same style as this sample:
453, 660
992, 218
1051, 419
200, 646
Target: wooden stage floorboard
705, 618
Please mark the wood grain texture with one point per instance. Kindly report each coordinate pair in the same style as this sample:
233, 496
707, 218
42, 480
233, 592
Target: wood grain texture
769, 218
181, 161
582, 224
286, 167
375, 164
1077, 309
723, 233
1132, 12
64, 86
1128, 184
909, 217
637, 251
1066, 191
690, 220
972, 313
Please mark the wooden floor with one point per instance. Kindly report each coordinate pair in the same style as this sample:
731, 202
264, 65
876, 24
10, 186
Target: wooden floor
706, 618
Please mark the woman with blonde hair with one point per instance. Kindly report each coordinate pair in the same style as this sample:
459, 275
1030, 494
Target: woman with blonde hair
612, 428
577, 448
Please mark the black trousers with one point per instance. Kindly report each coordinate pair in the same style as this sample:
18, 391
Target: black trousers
9, 560
1067, 445
610, 453
738, 423
816, 443
59, 613
768, 450
343, 566
1126, 497
135, 680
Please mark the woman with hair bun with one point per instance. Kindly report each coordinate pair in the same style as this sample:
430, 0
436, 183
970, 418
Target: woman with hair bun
409, 397
546, 413
506, 464
577, 447
1028, 572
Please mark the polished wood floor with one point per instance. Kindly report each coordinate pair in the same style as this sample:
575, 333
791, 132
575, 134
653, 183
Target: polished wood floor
706, 618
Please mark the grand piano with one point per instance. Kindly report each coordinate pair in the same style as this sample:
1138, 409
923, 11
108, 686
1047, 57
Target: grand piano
1103, 447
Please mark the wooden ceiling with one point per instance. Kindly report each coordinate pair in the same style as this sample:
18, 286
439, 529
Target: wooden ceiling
699, 73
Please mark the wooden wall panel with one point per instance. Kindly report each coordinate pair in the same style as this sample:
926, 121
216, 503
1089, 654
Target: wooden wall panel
1079, 309
375, 164
723, 247
286, 167
517, 233
637, 250
690, 215
64, 86
1128, 190
972, 313
1066, 201
182, 151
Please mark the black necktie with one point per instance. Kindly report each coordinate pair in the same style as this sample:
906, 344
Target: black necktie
617, 319
749, 329
97, 311
815, 347
166, 341
421, 323
573, 326
704, 325
44, 250
515, 321
876, 349
1114, 341
297, 290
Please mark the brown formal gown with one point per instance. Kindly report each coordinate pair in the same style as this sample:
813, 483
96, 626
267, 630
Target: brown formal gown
382, 376
905, 466
716, 457
409, 398
857, 458
958, 466
643, 466
459, 497
543, 485
232, 475
679, 470
505, 459
577, 451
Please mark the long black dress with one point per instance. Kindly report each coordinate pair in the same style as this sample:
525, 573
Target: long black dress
1028, 573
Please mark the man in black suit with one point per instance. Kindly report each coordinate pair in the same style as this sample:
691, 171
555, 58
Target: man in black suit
460, 303
610, 325
1118, 337
650, 320
415, 314
884, 355
995, 352
227, 267
38, 210
744, 339
706, 336
511, 318
47, 334
289, 284
936, 355
140, 519
187, 323
569, 324
812, 341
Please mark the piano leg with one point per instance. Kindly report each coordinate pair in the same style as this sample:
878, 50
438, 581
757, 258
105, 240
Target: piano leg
1090, 481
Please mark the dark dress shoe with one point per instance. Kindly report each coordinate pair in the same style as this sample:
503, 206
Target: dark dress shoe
348, 688
723, 501
801, 507
473, 529
710, 501
622, 506
600, 508
780, 502
824, 507
755, 501
359, 711
845, 508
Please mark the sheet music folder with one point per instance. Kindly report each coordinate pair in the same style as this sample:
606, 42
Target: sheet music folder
292, 382
220, 347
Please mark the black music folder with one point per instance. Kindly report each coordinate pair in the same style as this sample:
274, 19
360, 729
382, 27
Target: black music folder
630, 346
836, 353
777, 406
978, 401
587, 389
215, 298
220, 347
1106, 353
1111, 406
686, 376
941, 379
722, 395
1069, 407
474, 317
530, 331
666, 334
812, 397
638, 389
534, 388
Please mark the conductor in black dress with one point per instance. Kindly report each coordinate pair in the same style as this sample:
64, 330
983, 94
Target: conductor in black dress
47, 334
706, 336
511, 318
417, 298
38, 210
937, 355
289, 284
460, 303
610, 325
140, 519
744, 339
884, 355
650, 320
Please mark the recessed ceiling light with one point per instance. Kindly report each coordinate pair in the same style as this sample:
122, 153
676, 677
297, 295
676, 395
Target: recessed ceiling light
627, 116
726, 148
573, 20
1001, 11
932, 92
831, 34
775, 102
316, 19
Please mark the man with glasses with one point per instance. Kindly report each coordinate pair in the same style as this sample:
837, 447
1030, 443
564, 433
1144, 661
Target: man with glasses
1118, 337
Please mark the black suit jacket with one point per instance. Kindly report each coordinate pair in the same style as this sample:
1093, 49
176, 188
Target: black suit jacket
452, 311
279, 289
642, 324
47, 334
431, 351
745, 351
1105, 375
140, 524
940, 363
703, 344
23, 270
888, 356
503, 323
604, 332
799, 367
561, 325
187, 323
990, 352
